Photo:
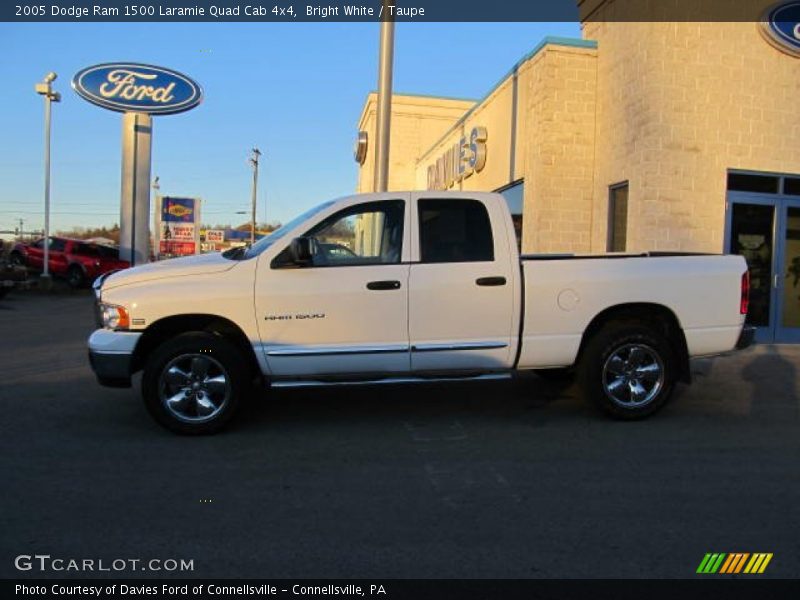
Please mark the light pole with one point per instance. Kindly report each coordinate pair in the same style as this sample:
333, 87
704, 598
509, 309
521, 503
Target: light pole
384, 116
46, 89
156, 236
254, 161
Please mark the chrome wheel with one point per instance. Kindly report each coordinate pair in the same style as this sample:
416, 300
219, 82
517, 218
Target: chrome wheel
633, 375
194, 388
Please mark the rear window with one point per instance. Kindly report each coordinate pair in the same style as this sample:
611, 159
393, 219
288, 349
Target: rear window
454, 231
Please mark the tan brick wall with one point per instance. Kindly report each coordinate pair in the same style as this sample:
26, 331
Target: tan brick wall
553, 149
678, 104
668, 106
417, 121
559, 154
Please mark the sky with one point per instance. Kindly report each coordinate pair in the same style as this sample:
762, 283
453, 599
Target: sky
293, 90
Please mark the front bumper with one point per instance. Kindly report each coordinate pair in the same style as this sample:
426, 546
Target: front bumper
746, 338
111, 354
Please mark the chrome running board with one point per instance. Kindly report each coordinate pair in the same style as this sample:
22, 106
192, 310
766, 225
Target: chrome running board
303, 383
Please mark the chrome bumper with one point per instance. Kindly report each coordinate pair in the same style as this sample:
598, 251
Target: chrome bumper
111, 354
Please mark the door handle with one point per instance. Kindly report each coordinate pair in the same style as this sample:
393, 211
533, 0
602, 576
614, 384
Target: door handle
489, 281
383, 285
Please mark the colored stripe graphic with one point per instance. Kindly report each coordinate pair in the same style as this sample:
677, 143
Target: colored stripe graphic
734, 563
758, 563
711, 563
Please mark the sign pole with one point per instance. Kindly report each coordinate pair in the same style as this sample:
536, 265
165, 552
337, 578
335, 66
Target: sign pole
134, 235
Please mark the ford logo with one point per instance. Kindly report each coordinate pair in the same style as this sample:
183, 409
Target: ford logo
133, 87
781, 26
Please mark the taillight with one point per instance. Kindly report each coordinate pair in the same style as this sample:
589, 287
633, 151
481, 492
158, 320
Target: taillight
745, 300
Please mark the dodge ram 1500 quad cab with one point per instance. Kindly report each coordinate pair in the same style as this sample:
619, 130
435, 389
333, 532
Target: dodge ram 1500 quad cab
410, 287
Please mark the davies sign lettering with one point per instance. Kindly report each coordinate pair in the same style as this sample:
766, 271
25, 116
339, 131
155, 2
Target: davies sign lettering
462, 159
133, 87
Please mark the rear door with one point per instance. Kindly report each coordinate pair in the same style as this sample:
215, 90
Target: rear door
35, 254
57, 255
461, 286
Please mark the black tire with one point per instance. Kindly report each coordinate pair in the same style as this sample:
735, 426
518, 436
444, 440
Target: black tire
221, 357
16, 259
76, 277
610, 378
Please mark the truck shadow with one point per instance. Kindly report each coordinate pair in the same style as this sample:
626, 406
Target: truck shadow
521, 395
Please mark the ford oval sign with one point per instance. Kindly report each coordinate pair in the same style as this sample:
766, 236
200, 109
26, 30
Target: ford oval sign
133, 87
781, 26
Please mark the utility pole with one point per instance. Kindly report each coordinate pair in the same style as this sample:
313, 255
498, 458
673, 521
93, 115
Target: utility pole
45, 89
384, 116
254, 161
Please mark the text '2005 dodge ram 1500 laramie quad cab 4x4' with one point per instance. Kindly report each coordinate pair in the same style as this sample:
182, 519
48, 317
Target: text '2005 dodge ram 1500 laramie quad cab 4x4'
405, 287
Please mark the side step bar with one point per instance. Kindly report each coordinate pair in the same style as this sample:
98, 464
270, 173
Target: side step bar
304, 383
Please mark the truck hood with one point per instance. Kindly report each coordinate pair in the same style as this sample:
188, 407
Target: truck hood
201, 264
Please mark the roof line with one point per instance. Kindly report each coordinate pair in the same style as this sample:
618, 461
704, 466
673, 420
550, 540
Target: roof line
550, 39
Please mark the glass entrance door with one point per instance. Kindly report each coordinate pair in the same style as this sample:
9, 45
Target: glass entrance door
787, 279
766, 231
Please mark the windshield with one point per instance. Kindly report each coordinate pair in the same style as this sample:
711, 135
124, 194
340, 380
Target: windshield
270, 239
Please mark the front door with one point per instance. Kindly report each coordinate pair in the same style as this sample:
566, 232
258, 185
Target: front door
765, 229
347, 312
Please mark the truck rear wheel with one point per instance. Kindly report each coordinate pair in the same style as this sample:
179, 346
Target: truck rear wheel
628, 370
193, 383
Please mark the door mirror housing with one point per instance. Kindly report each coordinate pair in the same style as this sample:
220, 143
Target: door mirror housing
302, 250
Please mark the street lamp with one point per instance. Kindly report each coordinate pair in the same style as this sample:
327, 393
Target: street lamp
46, 89
383, 117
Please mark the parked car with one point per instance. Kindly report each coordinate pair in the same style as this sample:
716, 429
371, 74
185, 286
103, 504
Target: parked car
10, 276
78, 261
431, 288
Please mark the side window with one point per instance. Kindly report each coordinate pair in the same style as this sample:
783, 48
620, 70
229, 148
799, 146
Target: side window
38, 244
366, 234
57, 245
454, 231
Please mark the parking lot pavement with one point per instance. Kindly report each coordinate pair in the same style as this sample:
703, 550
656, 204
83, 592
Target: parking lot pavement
510, 479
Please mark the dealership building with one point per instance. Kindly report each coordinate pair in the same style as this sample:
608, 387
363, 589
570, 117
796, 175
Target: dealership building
639, 136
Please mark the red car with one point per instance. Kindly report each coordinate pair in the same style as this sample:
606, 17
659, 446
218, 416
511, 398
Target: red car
79, 261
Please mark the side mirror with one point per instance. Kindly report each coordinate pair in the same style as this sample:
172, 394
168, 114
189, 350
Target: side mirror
302, 250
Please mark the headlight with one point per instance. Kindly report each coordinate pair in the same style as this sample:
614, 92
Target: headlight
113, 316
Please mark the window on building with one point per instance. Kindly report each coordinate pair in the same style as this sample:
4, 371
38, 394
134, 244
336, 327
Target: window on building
791, 186
454, 231
747, 182
514, 195
617, 217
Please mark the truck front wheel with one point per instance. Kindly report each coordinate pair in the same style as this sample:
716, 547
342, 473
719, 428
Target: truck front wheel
193, 383
628, 370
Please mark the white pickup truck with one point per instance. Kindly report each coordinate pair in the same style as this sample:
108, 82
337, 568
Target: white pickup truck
409, 287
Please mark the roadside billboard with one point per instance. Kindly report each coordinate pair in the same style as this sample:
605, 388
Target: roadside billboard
177, 226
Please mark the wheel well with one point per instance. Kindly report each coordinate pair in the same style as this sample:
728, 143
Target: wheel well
169, 327
658, 316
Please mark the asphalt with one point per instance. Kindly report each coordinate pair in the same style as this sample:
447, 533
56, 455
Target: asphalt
494, 480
